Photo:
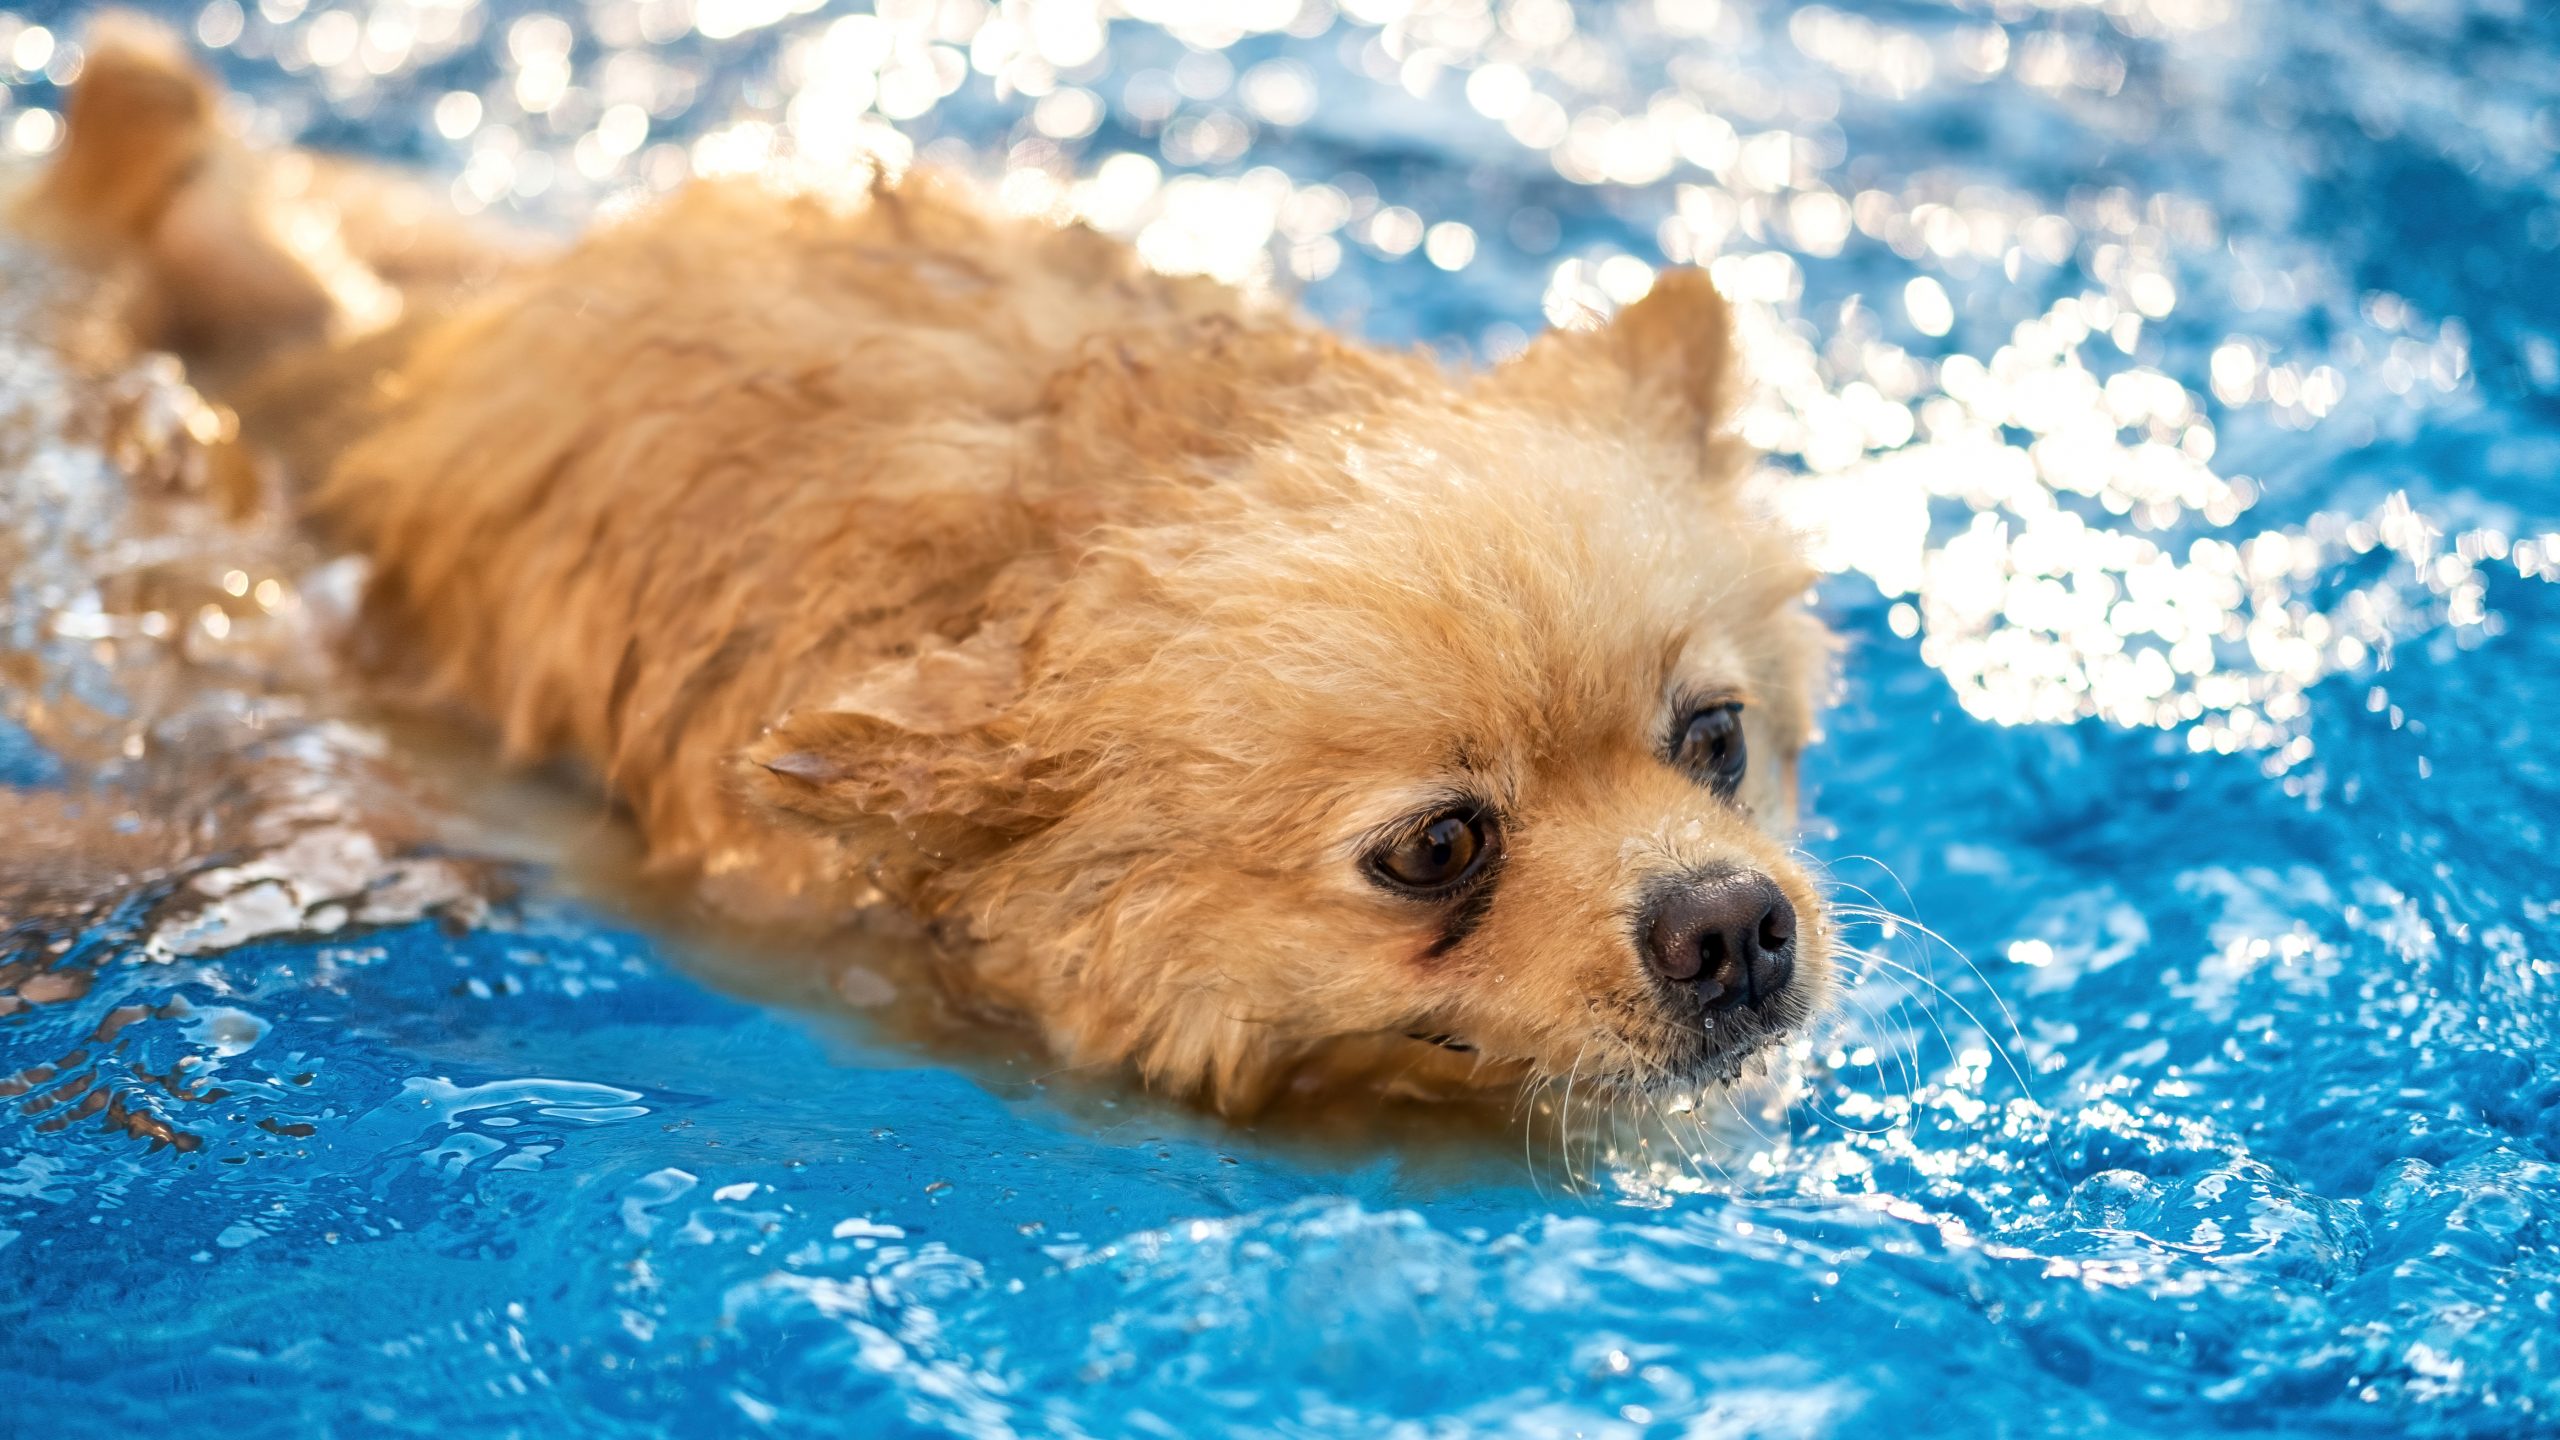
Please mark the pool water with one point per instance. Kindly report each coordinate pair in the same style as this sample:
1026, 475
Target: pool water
2172, 388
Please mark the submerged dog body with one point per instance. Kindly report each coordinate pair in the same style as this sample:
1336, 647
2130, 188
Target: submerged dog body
1236, 701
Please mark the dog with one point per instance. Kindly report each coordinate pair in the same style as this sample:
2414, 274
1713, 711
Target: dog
1240, 705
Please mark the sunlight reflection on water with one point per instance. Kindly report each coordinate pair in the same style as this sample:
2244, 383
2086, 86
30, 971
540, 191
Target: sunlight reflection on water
2083, 352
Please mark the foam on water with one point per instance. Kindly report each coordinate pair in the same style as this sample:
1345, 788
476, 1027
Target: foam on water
2173, 390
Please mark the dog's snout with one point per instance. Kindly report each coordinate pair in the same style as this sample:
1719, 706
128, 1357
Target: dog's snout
1731, 936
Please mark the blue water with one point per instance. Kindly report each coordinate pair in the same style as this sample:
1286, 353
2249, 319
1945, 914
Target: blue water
2177, 389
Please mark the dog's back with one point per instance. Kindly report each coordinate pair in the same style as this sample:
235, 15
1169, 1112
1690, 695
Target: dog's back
804, 431
627, 501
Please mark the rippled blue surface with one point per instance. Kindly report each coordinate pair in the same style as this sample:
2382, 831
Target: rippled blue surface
2281, 1150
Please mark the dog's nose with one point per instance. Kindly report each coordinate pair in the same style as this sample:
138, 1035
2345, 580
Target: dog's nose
1731, 935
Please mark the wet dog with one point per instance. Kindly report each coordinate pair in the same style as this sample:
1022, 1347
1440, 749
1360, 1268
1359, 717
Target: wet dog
1236, 703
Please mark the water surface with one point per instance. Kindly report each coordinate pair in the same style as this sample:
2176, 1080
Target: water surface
2174, 389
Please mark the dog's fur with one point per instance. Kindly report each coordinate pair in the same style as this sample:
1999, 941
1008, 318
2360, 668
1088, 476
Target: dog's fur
877, 548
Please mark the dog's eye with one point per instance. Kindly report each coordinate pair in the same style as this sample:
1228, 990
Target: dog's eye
1439, 854
1710, 747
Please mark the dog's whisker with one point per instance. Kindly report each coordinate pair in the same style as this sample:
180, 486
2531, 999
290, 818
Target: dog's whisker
1877, 963
2008, 1017
2007, 1060
1903, 1038
1734, 1104
1905, 1056
1876, 909
1706, 1139
1564, 1137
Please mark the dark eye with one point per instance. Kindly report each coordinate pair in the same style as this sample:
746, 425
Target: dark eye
1710, 747
1440, 854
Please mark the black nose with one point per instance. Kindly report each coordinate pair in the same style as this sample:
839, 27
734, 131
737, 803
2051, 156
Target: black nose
1732, 935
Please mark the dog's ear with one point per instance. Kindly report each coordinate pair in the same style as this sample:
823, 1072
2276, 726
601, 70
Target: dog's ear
1665, 363
919, 747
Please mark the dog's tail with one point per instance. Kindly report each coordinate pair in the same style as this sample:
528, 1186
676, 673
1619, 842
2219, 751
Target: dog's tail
142, 122
148, 182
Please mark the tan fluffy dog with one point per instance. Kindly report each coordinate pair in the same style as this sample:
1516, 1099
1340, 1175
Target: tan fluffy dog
1239, 703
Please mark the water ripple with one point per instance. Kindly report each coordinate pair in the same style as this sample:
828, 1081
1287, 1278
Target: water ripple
2169, 392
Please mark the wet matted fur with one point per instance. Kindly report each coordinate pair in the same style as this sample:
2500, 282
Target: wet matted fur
877, 548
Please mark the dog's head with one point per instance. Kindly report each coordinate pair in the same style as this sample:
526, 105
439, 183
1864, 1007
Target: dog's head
1467, 721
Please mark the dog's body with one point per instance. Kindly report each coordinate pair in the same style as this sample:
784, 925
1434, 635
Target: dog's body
1144, 640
